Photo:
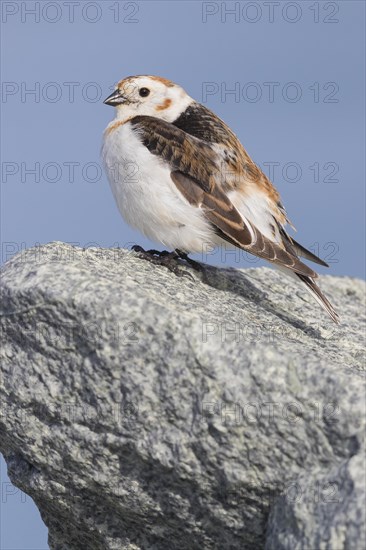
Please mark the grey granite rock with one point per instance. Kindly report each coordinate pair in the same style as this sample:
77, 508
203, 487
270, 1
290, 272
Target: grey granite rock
145, 411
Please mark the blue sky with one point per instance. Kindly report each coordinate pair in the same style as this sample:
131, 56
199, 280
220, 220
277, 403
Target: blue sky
288, 77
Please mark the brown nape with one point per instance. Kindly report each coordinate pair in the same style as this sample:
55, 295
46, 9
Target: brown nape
165, 81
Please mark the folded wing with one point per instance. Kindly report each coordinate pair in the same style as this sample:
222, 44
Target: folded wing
197, 171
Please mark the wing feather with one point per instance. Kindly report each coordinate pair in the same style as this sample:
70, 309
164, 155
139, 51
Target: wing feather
196, 170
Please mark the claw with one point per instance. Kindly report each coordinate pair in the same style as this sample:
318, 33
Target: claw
164, 258
196, 265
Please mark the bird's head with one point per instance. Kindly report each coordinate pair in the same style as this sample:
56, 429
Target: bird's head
149, 96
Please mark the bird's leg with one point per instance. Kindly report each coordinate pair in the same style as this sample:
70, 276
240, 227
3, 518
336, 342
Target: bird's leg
164, 258
196, 265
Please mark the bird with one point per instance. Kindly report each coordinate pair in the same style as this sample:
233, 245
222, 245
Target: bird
181, 176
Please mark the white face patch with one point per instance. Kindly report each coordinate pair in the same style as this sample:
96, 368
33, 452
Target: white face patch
162, 101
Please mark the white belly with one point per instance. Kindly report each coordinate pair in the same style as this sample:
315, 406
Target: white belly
146, 196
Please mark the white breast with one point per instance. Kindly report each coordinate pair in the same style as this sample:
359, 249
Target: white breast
146, 196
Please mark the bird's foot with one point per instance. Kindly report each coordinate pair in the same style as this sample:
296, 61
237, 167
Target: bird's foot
196, 265
164, 258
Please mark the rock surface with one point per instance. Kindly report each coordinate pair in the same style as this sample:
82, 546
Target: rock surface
145, 411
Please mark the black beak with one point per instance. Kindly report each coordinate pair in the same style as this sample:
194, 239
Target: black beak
116, 98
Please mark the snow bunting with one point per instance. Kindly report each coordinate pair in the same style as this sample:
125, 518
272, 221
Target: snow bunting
181, 176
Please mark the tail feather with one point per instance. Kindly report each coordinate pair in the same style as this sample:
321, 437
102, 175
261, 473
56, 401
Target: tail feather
297, 249
319, 297
304, 253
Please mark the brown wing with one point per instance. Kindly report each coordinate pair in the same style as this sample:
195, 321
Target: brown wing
196, 170
200, 122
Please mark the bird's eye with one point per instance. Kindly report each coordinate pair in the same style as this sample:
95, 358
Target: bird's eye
144, 92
